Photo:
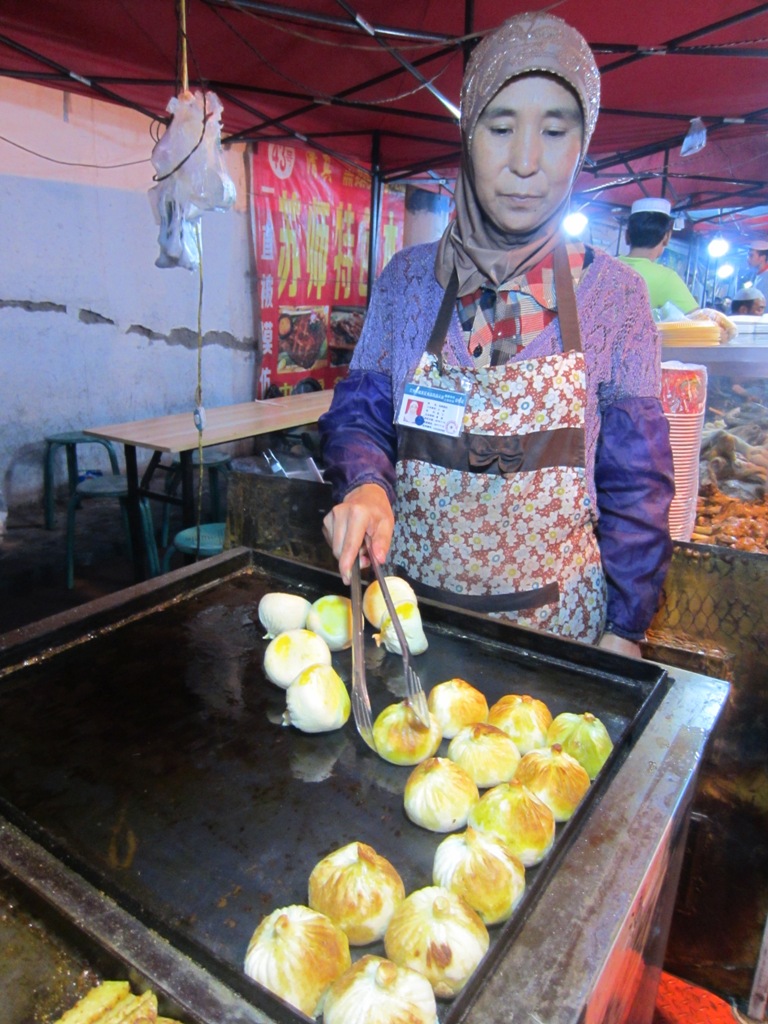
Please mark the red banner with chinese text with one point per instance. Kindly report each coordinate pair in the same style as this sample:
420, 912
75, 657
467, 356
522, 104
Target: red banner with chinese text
312, 236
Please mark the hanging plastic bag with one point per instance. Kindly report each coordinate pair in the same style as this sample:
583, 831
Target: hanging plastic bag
191, 177
696, 139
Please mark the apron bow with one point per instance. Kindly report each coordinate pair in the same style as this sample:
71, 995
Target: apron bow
485, 449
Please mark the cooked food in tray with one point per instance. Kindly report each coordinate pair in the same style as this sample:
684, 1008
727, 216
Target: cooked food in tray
535, 770
112, 1002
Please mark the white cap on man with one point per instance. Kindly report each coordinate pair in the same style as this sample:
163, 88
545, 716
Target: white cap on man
747, 295
760, 244
649, 204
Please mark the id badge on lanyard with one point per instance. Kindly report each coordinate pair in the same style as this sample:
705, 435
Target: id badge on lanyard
425, 408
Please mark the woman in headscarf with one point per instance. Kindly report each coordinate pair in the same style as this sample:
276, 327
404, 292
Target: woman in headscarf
535, 479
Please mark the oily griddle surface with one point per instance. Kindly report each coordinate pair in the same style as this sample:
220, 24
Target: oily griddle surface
153, 760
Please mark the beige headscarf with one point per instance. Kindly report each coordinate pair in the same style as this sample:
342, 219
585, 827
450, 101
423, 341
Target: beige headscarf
527, 43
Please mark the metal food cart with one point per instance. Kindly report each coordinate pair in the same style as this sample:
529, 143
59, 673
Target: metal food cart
154, 808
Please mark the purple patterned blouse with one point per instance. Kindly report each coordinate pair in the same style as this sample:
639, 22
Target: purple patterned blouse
628, 458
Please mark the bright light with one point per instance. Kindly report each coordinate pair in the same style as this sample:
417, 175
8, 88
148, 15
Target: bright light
725, 270
718, 247
575, 223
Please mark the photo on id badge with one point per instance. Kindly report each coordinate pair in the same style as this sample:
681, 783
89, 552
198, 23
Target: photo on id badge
413, 411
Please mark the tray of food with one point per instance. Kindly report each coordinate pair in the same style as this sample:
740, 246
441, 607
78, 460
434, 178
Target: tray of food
167, 759
52, 973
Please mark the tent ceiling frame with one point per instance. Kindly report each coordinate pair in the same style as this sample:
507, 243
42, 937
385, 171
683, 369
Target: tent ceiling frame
436, 152
640, 53
328, 21
341, 98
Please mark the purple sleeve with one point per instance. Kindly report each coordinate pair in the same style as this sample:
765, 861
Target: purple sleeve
358, 436
634, 478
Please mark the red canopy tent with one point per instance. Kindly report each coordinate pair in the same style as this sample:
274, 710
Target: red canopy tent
376, 84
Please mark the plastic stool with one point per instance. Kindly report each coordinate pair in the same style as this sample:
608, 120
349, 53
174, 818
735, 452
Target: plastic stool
109, 487
215, 463
211, 542
69, 440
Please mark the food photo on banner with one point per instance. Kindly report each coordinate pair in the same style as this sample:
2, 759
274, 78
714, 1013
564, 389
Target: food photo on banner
312, 219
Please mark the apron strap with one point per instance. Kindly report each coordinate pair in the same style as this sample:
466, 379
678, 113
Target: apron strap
566, 302
517, 601
440, 327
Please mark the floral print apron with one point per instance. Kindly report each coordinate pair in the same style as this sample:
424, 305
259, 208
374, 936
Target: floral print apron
500, 518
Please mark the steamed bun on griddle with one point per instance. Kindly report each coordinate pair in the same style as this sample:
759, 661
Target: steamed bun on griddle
292, 651
297, 953
358, 889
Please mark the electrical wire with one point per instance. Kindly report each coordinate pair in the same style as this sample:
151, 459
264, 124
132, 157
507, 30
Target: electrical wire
74, 163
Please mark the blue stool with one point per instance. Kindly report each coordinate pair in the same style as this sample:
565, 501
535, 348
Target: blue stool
210, 542
215, 463
69, 440
110, 487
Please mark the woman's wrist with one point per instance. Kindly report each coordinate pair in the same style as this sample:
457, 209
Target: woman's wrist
620, 645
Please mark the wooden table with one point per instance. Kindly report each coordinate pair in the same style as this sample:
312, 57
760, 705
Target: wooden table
177, 434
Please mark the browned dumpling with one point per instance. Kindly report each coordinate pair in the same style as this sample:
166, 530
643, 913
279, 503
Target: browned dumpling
297, 953
557, 779
358, 889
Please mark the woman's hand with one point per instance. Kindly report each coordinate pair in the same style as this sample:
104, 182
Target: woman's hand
617, 644
365, 510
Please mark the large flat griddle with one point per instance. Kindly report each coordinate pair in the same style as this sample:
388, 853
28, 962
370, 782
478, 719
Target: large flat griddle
145, 752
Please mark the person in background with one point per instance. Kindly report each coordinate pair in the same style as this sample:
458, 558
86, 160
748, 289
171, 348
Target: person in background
748, 302
537, 486
757, 258
649, 229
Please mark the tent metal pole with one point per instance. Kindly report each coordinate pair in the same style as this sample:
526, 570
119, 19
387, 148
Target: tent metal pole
375, 228
372, 32
469, 23
87, 82
328, 21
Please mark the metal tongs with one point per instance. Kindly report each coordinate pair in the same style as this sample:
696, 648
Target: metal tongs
413, 689
361, 702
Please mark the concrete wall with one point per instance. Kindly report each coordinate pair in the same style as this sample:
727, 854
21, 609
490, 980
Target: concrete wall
91, 332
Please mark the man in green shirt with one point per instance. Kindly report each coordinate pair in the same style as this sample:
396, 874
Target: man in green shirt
758, 261
648, 232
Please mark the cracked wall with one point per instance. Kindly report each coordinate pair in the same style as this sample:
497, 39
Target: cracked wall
91, 332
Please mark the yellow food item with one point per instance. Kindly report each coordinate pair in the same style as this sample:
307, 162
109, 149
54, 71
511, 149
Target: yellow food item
374, 606
583, 737
556, 778
488, 754
524, 718
409, 616
96, 1003
436, 932
331, 618
456, 703
297, 953
377, 991
358, 889
439, 795
292, 651
112, 1002
479, 867
401, 738
519, 818
140, 1010
317, 700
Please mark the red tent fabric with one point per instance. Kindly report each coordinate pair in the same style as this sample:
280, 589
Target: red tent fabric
373, 83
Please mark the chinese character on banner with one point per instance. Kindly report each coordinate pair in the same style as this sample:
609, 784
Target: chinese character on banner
312, 224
